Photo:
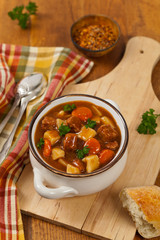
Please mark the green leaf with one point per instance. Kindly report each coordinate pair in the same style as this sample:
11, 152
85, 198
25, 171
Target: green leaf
81, 153
90, 123
69, 108
63, 130
11, 15
23, 20
40, 143
32, 8
16, 12
22, 14
148, 124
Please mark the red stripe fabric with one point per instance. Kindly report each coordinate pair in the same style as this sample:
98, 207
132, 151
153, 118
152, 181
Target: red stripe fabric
68, 67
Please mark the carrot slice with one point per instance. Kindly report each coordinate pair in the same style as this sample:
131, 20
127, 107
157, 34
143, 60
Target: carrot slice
93, 144
83, 113
47, 148
106, 155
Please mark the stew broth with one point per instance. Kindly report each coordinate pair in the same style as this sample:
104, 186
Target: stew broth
77, 137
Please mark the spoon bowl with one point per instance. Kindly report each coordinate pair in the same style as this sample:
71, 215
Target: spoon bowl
28, 89
24, 88
28, 84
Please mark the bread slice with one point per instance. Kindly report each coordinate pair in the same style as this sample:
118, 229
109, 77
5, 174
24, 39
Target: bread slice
143, 204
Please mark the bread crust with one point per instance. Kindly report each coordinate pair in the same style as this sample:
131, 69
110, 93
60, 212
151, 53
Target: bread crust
147, 198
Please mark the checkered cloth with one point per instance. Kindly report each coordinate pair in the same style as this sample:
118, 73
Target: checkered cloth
60, 67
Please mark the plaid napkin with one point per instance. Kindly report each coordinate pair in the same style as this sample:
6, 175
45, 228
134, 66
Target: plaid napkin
60, 66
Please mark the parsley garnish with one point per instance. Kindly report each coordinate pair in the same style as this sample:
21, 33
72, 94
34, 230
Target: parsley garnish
81, 153
63, 129
90, 123
148, 123
69, 108
22, 14
40, 143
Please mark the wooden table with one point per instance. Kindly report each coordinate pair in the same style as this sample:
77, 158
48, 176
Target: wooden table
51, 27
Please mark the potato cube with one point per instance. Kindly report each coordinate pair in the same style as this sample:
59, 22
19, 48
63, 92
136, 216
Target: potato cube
53, 136
96, 119
62, 162
96, 111
86, 133
72, 169
107, 121
59, 122
57, 153
92, 162
61, 113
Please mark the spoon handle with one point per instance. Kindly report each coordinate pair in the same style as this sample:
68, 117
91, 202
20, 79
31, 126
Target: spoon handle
7, 145
6, 119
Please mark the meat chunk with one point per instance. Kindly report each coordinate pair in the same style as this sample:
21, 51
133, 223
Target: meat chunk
74, 123
112, 145
48, 123
70, 142
107, 133
78, 163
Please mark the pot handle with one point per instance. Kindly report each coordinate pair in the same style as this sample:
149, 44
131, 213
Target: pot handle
51, 193
113, 103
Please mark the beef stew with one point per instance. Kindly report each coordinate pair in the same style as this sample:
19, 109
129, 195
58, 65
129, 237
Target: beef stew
77, 137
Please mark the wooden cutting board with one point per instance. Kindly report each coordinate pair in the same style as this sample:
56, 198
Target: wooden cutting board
101, 215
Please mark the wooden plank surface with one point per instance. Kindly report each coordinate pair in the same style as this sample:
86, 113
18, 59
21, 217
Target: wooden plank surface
70, 212
51, 28
132, 90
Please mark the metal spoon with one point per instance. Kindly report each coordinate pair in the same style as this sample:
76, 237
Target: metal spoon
24, 88
28, 91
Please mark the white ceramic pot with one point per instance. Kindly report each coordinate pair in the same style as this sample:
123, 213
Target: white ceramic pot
52, 183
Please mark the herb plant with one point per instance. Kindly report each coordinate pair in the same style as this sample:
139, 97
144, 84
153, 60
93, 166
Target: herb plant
22, 14
148, 124
40, 143
63, 129
81, 153
90, 123
69, 108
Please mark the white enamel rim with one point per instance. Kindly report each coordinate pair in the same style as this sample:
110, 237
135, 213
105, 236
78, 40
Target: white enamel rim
80, 97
